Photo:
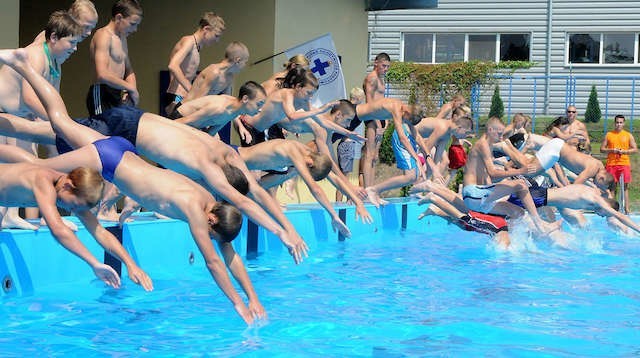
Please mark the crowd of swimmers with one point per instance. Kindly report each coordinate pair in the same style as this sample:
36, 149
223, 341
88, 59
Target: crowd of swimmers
510, 173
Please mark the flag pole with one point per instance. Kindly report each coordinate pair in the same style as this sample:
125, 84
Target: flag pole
281, 52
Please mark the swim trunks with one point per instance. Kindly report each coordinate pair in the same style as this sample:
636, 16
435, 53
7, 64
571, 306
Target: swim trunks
404, 160
538, 194
102, 97
346, 152
484, 223
110, 150
122, 121
475, 197
618, 170
549, 153
457, 156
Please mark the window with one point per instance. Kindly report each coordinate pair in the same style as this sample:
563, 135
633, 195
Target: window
418, 48
584, 48
618, 48
514, 47
447, 47
482, 47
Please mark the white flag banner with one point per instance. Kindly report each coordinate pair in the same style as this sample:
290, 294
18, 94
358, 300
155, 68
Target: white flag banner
325, 65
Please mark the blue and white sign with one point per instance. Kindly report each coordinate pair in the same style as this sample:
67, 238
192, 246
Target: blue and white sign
325, 65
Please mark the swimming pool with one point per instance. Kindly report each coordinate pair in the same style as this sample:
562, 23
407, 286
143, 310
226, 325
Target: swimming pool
430, 290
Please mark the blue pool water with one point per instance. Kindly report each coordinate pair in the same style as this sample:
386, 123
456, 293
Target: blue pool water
385, 295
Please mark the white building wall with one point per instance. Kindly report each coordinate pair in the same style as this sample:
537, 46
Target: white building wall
502, 16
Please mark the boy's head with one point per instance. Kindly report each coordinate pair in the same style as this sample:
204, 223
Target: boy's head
381, 64
521, 120
619, 122
81, 189
85, 14
319, 165
225, 222
357, 96
237, 54
610, 202
495, 128
457, 100
298, 60
212, 27
304, 82
412, 114
127, 15
252, 95
62, 35
236, 178
343, 113
604, 180
464, 127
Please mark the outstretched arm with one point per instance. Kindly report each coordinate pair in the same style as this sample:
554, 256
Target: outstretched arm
239, 272
115, 248
46, 198
198, 224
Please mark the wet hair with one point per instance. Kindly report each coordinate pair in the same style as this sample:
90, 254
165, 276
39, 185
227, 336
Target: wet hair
236, 178
80, 7
383, 56
557, 122
229, 221
236, 50
416, 115
251, 89
87, 185
345, 106
298, 60
321, 165
126, 8
299, 77
210, 18
62, 24
464, 121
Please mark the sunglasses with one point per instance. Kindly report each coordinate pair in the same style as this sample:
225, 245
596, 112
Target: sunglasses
571, 111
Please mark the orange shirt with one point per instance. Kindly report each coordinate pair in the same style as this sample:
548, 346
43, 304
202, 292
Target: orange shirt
619, 140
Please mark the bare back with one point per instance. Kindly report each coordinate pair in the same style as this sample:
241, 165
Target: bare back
18, 182
214, 79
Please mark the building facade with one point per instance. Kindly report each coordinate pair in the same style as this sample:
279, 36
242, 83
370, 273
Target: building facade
573, 44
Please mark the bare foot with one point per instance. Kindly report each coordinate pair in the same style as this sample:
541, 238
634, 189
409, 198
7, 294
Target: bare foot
160, 216
427, 212
13, 221
373, 197
546, 228
422, 186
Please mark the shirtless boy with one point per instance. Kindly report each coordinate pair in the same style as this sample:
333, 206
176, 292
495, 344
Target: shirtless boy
374, 88
185, 58
217, 78
482, 195
208, 220
114, 80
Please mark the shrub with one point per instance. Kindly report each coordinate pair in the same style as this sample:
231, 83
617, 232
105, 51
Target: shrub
593, 113
386, 151
497, 107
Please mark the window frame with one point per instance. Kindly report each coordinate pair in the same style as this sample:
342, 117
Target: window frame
601, 59
434, 35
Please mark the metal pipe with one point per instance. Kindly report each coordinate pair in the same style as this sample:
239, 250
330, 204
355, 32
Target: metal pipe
547, 66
